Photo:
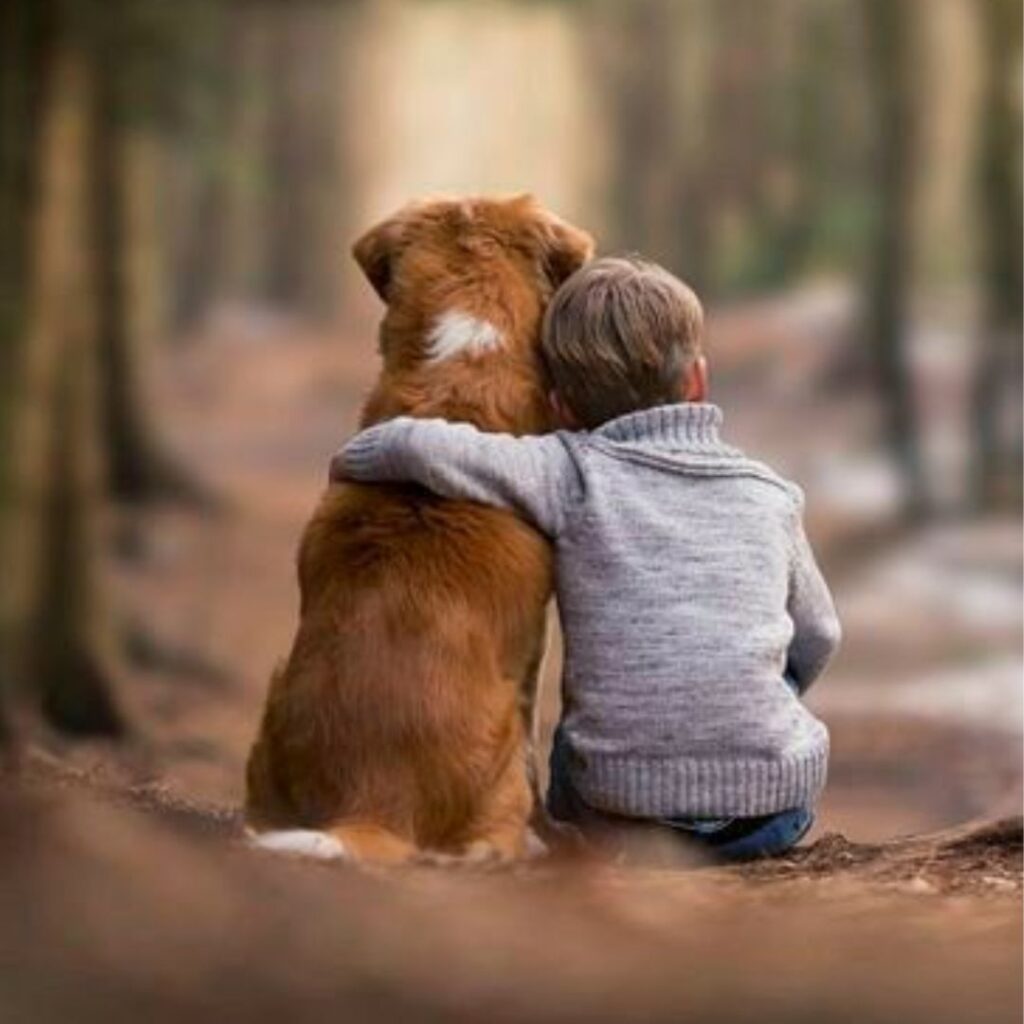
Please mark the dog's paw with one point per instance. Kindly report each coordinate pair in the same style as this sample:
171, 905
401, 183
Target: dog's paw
481, 853
299, 842
437, 859
478, 854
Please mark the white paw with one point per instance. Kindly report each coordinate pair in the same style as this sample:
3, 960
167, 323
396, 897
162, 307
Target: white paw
299, 842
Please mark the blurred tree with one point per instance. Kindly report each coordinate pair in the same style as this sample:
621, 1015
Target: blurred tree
891, 34
304, 145
244, 183
125, 40
261, 177
638, 54
793, 189
734, 134
792, 111
22, 33
743, 82
53, 629
24, 36
997, 385
195, 120
139, 467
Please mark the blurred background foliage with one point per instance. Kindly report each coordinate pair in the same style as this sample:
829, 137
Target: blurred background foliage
164, 164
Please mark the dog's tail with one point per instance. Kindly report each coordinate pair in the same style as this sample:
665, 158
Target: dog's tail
358, 841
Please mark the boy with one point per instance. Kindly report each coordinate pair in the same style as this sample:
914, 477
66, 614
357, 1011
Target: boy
693, 610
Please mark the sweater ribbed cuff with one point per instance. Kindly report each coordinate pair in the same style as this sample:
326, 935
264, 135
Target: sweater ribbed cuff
668, 787
364, 457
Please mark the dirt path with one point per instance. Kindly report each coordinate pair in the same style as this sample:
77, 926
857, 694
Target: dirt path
138, 904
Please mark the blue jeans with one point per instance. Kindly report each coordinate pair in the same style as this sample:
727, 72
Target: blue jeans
723, 839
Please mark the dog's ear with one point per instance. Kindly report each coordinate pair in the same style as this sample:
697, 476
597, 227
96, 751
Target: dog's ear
564, 248
375, 251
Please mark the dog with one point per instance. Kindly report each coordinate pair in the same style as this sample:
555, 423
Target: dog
399, 726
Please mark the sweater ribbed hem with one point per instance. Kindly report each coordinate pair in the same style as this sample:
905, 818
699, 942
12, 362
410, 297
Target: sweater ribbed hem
667, 787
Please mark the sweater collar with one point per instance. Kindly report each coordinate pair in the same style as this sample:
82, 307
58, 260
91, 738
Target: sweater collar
682, 425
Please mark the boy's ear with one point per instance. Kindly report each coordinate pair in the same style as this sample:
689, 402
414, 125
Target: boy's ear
375, 251
695, 381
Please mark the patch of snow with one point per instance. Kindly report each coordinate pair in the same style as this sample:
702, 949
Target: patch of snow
867, 486
969, 576
989, 695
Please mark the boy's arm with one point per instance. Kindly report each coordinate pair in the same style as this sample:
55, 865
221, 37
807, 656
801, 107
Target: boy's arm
816, 629
534, 476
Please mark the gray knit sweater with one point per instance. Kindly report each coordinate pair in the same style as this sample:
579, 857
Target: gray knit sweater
686, 589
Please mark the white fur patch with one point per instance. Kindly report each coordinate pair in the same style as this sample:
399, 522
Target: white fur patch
456, 333
299, 842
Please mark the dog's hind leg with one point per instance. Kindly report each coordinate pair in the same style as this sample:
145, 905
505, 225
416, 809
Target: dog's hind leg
500, 830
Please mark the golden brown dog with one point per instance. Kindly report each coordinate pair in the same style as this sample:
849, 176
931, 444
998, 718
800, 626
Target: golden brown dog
396, 724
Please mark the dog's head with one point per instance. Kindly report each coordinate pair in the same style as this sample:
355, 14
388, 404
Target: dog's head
464, 278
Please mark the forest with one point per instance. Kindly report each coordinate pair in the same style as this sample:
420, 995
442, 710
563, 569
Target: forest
184, 340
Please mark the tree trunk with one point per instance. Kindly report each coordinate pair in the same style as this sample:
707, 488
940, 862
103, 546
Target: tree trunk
138, 464
691, 203
649, 65
305, 157
244, 188
628, 49
60, 655
890, 38
71, 656
997, 385
803, 105
25, 33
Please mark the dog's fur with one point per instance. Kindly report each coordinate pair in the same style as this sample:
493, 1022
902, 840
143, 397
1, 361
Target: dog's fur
396, 725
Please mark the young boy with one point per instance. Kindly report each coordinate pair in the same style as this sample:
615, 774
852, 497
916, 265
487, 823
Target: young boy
693, 610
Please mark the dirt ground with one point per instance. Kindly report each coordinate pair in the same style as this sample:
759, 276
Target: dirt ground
134, 905
125, 892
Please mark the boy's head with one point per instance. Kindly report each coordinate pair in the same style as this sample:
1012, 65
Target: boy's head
622, 334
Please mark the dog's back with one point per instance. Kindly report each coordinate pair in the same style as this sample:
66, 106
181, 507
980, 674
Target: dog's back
395, 723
